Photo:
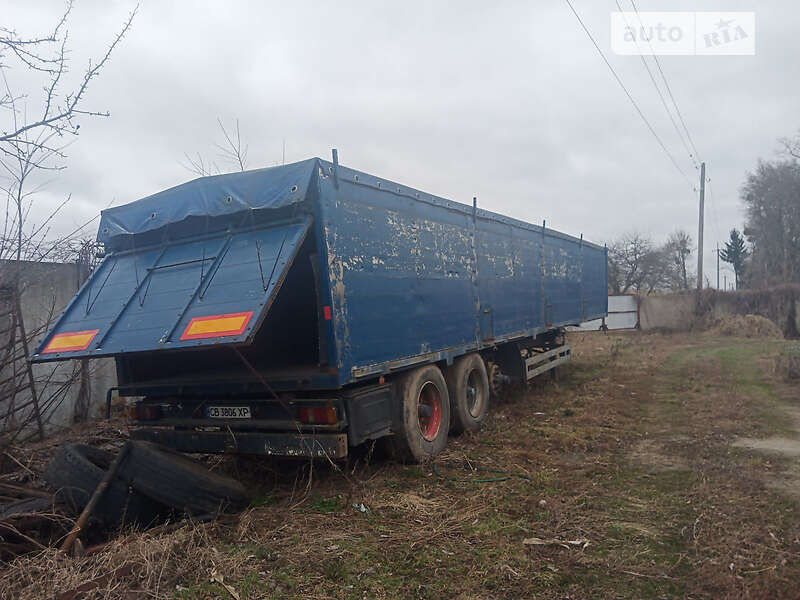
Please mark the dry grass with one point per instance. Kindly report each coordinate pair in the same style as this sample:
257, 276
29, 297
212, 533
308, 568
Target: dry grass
778, 304
746, 326
630, 450
787, 363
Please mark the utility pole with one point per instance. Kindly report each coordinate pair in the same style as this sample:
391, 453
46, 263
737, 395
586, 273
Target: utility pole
717, 265
725, 277
700, 226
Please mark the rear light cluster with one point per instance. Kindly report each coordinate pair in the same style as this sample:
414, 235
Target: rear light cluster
318, 415
145, 412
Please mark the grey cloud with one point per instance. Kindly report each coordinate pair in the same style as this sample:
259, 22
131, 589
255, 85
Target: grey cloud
507, 101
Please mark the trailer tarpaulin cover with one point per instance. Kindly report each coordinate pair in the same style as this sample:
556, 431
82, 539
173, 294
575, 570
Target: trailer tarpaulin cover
210, 197
190, 292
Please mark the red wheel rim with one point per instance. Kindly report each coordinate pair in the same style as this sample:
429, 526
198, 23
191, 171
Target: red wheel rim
429, 410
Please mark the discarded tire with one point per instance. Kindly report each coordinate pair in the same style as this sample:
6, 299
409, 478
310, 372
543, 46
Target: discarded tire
178, 481
26, 506
75, 472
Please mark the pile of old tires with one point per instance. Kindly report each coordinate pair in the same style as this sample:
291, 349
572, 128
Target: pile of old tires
151, 484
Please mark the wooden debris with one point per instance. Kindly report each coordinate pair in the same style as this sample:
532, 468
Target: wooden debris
581, 543
23, 491
98, 494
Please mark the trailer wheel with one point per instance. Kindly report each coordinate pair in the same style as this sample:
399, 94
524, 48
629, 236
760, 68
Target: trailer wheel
424, 417
469, 393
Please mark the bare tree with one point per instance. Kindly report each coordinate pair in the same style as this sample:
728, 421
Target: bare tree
635, 263
679, 248
657, 271
231, 150
35, 131
627, 258
771, 196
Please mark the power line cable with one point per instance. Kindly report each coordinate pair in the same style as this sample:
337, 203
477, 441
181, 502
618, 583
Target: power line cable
669, 89
627, 93
655, 85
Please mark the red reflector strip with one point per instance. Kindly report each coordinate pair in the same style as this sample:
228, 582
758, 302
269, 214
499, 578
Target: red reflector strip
217, 326
71, 341
326, 310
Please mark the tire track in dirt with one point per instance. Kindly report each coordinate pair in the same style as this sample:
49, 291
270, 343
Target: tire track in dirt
782, 445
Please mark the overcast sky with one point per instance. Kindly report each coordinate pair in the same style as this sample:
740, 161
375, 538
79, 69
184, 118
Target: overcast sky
508, 101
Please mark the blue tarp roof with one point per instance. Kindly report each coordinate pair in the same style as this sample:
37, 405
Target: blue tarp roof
214, 196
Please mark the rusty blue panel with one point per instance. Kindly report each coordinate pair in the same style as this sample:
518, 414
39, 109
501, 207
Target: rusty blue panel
595, 283
395, 270
509, 281
562, 287
414, 277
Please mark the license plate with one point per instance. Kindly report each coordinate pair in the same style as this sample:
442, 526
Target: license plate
228, 412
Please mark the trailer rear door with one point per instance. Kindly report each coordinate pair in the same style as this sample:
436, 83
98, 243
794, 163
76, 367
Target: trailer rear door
188, 293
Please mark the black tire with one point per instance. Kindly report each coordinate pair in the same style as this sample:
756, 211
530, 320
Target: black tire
423, 417
75, 472
26, 506
178, 481
469, 393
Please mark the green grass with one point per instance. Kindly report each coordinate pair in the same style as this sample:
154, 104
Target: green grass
263, 500
327, 505
729, 366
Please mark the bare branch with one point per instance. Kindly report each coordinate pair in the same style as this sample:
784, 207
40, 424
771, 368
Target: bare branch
196, 166
61, 119
33, 58
232, 150
791, 146
33, 147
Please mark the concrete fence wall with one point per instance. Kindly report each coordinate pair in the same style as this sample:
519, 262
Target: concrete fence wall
674, 312
46, 289
681, 312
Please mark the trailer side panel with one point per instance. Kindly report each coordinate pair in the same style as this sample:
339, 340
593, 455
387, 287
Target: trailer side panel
417, 278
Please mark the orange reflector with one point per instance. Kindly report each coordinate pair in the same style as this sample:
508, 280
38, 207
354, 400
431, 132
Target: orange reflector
217, 326
318, 415
71, 341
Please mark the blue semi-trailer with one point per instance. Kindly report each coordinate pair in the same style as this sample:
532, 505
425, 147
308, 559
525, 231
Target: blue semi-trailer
304, 309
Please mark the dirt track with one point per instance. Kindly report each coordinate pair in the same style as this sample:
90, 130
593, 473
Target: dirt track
650, 470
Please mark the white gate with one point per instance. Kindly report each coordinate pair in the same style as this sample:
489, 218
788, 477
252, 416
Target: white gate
623, 313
